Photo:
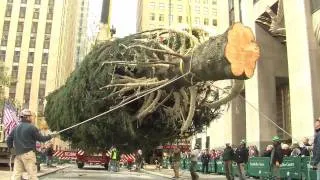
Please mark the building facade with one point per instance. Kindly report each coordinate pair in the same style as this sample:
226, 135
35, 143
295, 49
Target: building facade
81, 32
37, 47
283, 96
177, 14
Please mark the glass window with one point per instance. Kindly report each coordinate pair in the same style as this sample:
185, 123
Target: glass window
18, 40
31, 57
161, 6
197, 9
48, 28
14, 72
205, 10
10, 1
161, 17
180, 8
32, 43
6, 25
16, 56
22, 13
2, 55
8, 10
46, 42
197, 20
20, 27
214, 22
34, 27
51, 2
50, 13
37, 1
12, 90
43, 73
152, 5
29, 72
23, 1
152, 16
205, 1
197, 1
4, 39
45, 57
36, 13
214, 11
180, 19
206, 21
214, 2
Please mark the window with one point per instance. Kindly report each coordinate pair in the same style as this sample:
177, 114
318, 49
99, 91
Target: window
199, 142
8, 10
29, 72
46, 42
6, 25
37, 1
208, 142
14, 72
48, 28
152, 5
2, 55
34, 27
205, 10
197, 1
205, 1
214, 11
214, 2
10, 1
30, 57
43, 73
36, 13
152, 16
161, 17
4, 39
22, 13
45, 57
180, 19
197, 20
206, 21
50, 13
20, 27
197, 9
18, 40
214, 22
32, 43
51, 2
161, 6
12, 90
180, 8
16, 56
23, 1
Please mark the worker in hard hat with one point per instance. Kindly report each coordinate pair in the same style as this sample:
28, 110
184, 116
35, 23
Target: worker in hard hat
276, 157
23, 139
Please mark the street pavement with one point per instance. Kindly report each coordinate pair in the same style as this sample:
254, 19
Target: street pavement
98, 173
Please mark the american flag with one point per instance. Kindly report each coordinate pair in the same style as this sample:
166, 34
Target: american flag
10, 118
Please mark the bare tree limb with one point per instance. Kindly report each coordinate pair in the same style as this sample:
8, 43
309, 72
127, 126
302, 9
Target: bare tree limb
192, 107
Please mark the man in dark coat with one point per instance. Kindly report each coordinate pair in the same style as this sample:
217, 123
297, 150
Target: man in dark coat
205, 158
276, 157
228, 156
241, 158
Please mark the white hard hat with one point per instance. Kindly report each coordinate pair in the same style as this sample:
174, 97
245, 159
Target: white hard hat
25, 112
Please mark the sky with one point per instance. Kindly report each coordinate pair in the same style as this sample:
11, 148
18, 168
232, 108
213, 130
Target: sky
123, 16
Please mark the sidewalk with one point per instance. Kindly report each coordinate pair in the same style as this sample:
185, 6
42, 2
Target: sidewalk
44, 170
184, 174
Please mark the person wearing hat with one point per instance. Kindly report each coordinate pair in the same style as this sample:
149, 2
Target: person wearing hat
23, 138
194, 159
276, 157
228, 157
315, 162
241, 158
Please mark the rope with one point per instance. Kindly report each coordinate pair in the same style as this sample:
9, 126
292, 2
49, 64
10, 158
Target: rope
123, 104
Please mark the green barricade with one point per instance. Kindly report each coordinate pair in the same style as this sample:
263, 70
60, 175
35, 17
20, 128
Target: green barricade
259, 167
165, 164
188, 163
183, 164
199, 166
220, 167
212, 166
291, 167
235, 171
306, 171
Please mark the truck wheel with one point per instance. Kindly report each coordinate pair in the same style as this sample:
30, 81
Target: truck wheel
80, 165
106, 166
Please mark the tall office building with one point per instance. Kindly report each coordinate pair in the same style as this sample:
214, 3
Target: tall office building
177, 14
81, 32
37, 46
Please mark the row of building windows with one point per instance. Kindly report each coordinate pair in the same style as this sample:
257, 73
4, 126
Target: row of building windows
180, 8
162, 5
36, 12
35, 2
180, 19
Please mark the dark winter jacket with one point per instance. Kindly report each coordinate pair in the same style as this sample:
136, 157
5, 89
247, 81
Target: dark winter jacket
241, 155
316, 149
24, 138
228, 154
276, 154
305, 150
205, 158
